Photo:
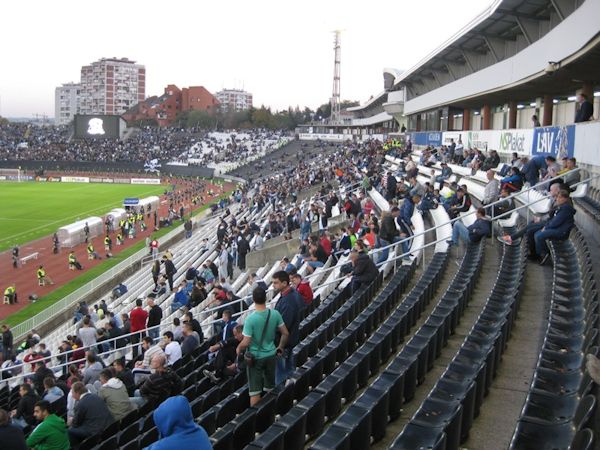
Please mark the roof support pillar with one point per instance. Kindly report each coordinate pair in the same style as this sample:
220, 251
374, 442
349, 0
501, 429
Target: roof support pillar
512, 114
486, 113
547, 111
466, 119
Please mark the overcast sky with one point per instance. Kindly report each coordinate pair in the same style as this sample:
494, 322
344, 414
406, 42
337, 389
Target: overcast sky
281, 51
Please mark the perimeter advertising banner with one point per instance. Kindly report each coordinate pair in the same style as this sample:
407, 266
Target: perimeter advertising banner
145, 181
556, 141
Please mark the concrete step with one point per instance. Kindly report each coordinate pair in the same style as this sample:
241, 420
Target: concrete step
482, 290
494, 427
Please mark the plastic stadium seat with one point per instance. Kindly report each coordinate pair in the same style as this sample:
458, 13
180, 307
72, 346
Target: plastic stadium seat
208, 421
357, 420
331, 388
128, 434
272, 439
538, 434
415, 437
294, 424
110, 443
462, 390
584, 440
314, 403
225, 411
109, 431
244, 428
376, 399
445, 416
265, 412
149, 437
223, 438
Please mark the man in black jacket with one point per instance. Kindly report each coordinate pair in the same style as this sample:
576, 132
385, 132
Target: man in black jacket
7, 342
586, 108
390, 192
224, 363
92, 416
243, 248
170, 271
364, 270
23, 415
473, 233
155, 315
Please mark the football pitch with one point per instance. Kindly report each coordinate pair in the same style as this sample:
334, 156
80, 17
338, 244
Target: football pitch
29, 211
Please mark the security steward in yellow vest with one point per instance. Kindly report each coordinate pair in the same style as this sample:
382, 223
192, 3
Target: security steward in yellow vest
10, 295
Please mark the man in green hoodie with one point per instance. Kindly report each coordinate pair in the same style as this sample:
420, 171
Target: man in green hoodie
51, 433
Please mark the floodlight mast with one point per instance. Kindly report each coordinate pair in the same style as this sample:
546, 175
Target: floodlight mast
335, 97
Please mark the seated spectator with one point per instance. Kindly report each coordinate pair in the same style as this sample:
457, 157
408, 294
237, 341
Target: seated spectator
125, 375
51, 433
181, 297
286, 265
23, 415
513, 182
473, 233
141, 370
161, 384
197, 295
91, 415
11, 435
191, 339
492, 188
364, 270
303, 288
557, 227
177, 428
504, 205
445, 175
568, 177
51, 391
188, 317
172, 348
93, 367
491, 162
114, 393
41, 373
224, 364
461, 204
317, 257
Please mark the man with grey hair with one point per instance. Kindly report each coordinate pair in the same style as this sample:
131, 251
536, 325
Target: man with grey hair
162, 383
492, 188
92, 416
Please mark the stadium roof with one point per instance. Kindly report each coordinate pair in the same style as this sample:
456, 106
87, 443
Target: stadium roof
505, 29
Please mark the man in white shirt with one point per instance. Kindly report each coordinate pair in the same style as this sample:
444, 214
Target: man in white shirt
172, 348
492, 188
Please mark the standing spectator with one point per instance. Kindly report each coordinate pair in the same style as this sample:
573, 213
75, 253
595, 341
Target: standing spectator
259, 338
170, 271
291, 307
15, 256
586, 108
91, 415
114, 393
155, 271
535, 121
11, 436
155, 315
137, 317
243, 248
187, 226
302, 287
51, 433
87, 333
177, 428
23, 415
154, 248
7, 342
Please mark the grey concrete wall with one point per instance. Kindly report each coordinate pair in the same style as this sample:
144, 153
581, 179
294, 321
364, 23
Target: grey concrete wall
274, 252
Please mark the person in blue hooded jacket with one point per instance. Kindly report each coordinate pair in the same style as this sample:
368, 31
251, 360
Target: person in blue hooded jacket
558, 227
177, 428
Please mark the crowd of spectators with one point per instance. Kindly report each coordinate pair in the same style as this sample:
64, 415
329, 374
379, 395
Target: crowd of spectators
24, 141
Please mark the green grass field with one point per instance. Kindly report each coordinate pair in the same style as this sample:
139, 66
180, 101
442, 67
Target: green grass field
29, 211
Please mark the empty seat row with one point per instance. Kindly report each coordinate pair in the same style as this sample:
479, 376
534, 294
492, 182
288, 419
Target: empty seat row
558, 404
445, 417
368, 416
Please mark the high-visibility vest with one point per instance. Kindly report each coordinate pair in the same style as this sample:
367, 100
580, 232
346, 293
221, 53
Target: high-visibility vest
41, 273
90, 248
71, 258
119, 237
9, 291
107, 240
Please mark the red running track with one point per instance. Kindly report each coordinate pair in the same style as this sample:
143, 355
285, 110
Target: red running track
25, 277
